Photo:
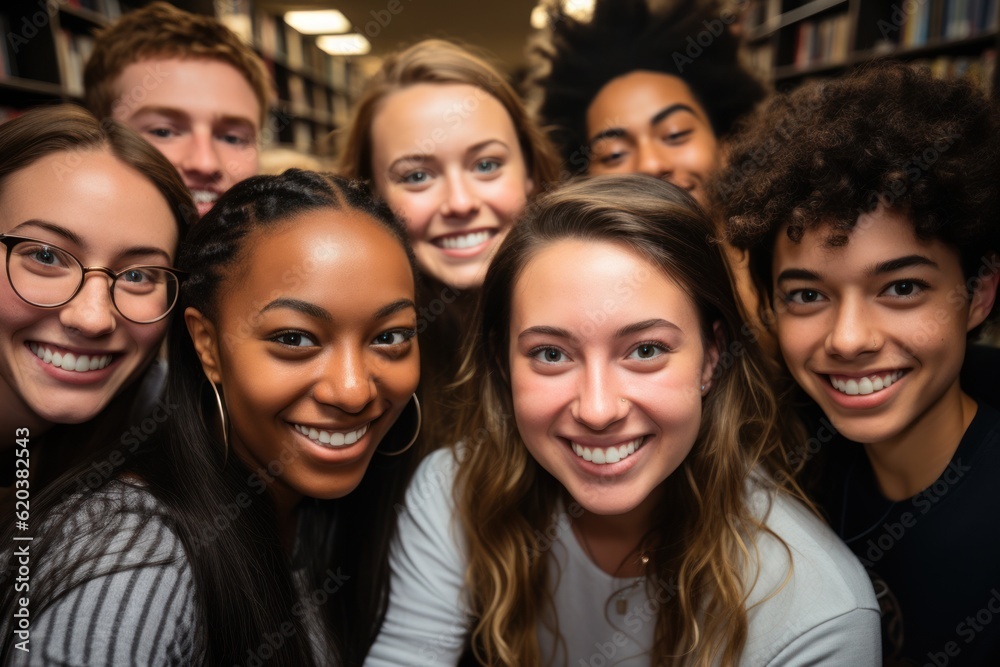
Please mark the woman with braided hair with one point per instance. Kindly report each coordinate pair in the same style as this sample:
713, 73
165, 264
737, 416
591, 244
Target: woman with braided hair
252, 526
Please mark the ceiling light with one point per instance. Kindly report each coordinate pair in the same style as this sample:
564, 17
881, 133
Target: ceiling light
581, 10
323, 22
344, 45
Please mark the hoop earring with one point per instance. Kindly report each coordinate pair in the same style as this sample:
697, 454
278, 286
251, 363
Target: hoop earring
225, 422
413, 440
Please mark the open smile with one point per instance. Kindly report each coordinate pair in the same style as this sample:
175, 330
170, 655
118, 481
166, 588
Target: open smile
602, 455
333, 439
465, 243
60, 357
866, 384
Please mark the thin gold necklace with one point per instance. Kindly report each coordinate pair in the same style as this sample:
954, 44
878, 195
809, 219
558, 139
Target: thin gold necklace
621, 597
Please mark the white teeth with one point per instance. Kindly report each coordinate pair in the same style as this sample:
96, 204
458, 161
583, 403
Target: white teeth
70, 361
465, 241
601, 455
204, 196
866, 385
332, 438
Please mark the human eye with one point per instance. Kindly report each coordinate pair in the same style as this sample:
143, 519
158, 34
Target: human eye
801, 297
415, 177
905, 289
237, 137
548, 355
487, 166
395, 337
38, 257
162, 132
648, 350
677, 138
293, 339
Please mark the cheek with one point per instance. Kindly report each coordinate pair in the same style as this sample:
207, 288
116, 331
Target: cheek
147, 337
414, 209
507, 197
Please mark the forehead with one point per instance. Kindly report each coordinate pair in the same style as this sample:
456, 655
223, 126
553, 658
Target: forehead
92, 194
325, 254
876, 236
636, 97
201, 88
428, 117
596, 286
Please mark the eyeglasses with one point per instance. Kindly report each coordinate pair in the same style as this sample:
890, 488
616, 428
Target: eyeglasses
47, 276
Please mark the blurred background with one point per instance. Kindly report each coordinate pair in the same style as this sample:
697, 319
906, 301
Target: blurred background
320, 52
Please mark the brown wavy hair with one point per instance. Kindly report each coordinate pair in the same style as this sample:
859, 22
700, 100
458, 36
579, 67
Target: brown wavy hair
440, 61
710, 535
161, 30
890, 134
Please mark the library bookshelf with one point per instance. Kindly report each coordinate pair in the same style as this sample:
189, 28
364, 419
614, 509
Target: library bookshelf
47, 42
789, 41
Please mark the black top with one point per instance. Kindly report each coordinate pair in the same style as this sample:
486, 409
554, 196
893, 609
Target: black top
934, 558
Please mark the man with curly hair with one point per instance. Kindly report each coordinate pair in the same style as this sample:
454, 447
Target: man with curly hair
869, 208
190, 86
640, 90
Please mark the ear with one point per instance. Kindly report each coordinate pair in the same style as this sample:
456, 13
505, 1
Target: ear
529, 186
206, 343
712, 354
983, 297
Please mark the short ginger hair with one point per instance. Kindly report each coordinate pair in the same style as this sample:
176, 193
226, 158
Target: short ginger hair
888, 135
161, 30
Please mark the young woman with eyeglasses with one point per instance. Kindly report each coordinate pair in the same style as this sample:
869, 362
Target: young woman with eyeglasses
90, 221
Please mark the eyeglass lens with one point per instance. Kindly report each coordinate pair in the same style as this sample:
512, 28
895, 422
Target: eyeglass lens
48, 276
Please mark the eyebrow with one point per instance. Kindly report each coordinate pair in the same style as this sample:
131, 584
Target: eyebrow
630, 329
888, 266
74, 238
393, 308
423, 157
312, 310
298, 305
891, 265
177, 114
658, 117
626, 330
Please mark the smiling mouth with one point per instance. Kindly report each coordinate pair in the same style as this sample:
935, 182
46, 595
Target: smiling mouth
464, 241
869, 384
68, 361
605, 455
332, 438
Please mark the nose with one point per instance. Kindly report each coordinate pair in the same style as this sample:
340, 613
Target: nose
460, 200
854, 331
653, 160
599, 401
201, 157
91, 312
346, 382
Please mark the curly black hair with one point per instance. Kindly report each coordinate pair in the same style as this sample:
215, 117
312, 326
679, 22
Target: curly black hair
688, 39
888, 134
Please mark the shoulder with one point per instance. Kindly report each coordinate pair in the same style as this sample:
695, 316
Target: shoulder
119, 585
807, 583
432, 486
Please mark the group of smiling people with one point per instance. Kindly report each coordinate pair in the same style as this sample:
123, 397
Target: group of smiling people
711, 401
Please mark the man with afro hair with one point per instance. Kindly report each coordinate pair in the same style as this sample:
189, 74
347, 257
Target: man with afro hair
869, 206
635, 89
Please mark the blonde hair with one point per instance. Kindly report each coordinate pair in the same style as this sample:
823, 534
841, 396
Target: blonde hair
160, 30
439, 61
707, 542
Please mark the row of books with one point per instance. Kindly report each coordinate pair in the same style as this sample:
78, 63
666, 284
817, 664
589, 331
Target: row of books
8, 63
978, 69
111, 9
823, 41
73, 50
282, 42
940, 20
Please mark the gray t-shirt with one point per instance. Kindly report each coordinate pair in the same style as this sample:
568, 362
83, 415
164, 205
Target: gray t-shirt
826, 613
